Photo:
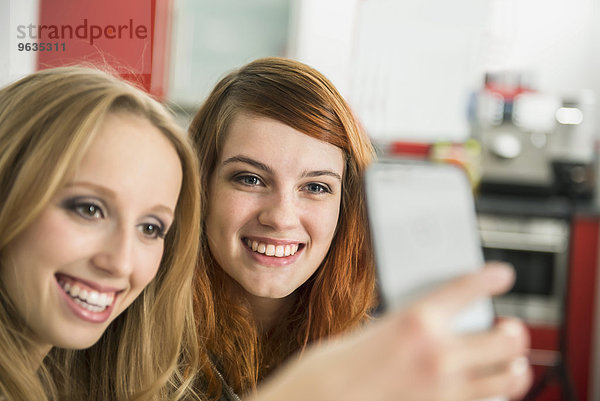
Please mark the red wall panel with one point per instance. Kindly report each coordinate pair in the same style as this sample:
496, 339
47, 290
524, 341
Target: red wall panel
130, 37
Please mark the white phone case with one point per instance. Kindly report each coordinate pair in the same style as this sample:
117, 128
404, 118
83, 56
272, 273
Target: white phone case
424, 229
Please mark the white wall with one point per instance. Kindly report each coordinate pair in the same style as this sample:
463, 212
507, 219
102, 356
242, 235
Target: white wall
210, 38
322, 35
408, 67
415, 65
13, 63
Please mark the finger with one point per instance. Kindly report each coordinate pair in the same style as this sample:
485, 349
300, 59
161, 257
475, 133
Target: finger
512, 381
471, 356
481, 352
451, 298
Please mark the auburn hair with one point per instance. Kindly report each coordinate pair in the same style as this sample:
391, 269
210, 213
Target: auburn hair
341, 293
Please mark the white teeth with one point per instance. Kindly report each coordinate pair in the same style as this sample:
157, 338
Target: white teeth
93, 297
74, 290
92, 308
91, 300
279, 251
102, 299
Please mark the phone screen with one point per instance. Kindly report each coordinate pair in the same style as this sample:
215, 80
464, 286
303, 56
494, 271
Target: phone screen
424, 230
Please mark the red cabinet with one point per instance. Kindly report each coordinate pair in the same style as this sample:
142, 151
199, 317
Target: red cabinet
580, 330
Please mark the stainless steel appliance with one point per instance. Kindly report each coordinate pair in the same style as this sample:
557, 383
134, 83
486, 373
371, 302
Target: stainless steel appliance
538, 249
534, 142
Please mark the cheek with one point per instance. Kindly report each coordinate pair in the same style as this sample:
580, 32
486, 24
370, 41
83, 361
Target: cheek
30, 261
228, 211
322, 222
50, 242
147, 267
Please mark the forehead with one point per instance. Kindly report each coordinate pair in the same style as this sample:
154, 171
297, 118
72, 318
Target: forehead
132, 157
278, 144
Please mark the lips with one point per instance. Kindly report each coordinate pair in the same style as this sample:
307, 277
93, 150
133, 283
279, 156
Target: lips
87, 300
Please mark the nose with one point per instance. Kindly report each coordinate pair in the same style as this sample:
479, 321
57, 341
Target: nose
280, 211
115, 256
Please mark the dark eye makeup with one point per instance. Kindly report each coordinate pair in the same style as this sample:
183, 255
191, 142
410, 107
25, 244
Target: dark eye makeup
93, 209
152, 230
87, 208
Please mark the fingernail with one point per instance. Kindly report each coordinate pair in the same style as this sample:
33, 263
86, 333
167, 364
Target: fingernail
511, 328
500, 271
519, 366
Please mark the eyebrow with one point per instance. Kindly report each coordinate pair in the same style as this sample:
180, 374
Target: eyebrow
99, 188
247, 160
264, 167
319, 173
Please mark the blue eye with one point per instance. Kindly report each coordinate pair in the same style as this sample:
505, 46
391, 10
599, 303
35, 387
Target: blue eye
316, 188
250, 180
152, 230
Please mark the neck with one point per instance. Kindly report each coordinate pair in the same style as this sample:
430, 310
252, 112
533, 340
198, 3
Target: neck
268, 311
40, 354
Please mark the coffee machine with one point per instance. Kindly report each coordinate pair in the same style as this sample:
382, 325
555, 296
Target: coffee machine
533, 142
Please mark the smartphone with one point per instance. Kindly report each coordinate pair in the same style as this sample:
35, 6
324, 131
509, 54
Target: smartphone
424, 230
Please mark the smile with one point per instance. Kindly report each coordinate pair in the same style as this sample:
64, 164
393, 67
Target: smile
87, 298
276, 250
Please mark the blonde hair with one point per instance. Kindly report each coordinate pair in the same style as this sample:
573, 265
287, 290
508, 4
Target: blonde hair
47, 121
341, 293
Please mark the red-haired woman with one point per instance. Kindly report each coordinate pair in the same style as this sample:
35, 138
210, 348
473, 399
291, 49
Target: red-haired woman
285, 237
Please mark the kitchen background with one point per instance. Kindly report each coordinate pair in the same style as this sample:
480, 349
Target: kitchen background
507, 88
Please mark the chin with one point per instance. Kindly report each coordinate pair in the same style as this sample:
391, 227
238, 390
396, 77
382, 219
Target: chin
78, 342
272, 293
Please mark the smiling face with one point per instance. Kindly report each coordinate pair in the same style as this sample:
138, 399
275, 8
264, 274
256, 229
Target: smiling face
274, 203
99, 242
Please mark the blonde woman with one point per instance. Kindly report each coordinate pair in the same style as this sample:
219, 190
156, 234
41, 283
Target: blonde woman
99, 214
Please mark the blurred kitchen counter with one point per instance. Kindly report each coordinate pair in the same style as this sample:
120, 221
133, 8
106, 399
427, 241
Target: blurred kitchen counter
554, 207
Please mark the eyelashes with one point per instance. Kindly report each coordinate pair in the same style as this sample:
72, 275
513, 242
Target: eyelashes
317, 188
251, 180
91, 209
248, 179
85, 208
152, 230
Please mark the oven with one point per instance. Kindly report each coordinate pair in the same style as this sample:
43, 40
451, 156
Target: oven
537, 247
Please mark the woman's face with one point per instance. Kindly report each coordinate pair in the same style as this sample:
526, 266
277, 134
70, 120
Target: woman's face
273, 205
100, 240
